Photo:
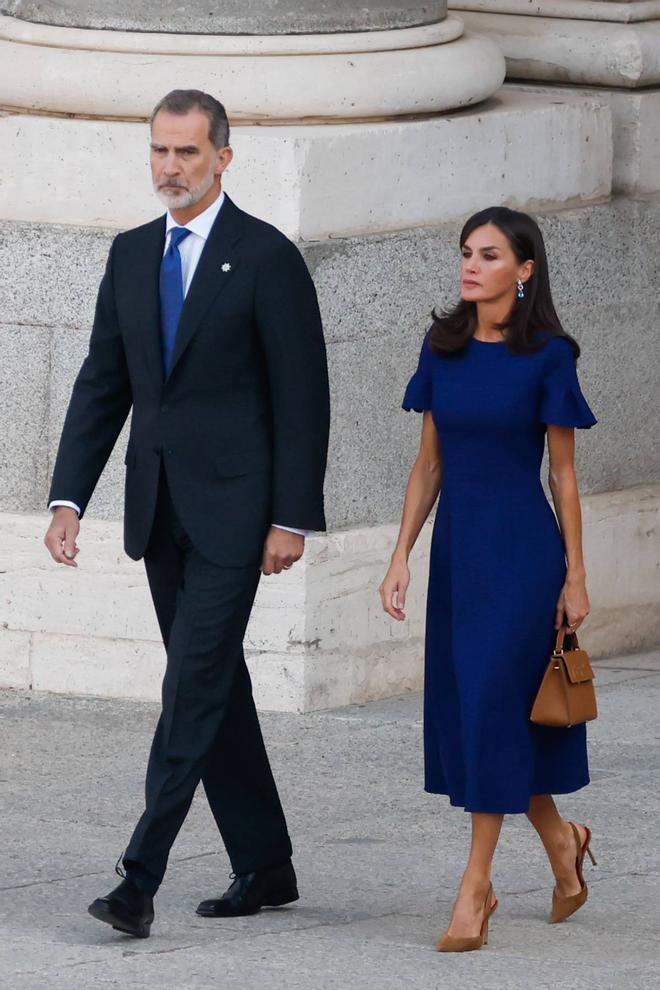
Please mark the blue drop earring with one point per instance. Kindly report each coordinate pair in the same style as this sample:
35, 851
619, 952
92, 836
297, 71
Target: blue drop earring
521, 289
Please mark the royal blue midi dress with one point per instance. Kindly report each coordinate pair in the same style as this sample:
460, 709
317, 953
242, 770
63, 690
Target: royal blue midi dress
496, 572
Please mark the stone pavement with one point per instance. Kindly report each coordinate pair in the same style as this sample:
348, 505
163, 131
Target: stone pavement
378, 860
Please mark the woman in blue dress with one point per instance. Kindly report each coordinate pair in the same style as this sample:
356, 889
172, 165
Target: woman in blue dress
496, 376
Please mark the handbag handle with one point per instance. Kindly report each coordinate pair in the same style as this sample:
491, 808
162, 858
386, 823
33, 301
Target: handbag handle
565, 635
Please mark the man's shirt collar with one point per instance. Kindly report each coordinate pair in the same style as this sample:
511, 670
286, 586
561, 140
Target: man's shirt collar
202, 223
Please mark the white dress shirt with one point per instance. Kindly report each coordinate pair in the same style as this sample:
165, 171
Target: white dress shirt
190, 249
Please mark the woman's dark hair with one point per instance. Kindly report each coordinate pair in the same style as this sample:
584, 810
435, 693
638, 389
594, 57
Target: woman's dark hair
532, 319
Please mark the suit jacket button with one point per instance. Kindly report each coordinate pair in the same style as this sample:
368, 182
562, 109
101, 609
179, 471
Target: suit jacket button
164, 407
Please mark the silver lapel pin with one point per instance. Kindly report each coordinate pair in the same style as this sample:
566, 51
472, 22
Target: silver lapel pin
226, 267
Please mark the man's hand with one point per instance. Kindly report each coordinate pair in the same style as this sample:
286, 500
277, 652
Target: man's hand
281, 550
61, 536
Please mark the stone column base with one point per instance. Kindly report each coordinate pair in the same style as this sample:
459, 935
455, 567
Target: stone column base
318, 637
596, 50
635, 130
325, 180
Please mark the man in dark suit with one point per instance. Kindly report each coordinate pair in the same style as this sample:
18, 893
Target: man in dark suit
207, 326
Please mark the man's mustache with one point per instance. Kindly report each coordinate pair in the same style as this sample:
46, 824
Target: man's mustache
172, 185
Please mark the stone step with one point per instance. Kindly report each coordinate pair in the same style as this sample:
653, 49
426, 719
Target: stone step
318, 637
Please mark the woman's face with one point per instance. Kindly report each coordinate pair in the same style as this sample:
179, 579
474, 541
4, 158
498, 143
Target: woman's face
489, 268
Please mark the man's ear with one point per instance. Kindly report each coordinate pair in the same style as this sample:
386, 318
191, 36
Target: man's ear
223, 160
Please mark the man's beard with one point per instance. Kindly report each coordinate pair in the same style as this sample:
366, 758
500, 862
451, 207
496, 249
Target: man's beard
184, 197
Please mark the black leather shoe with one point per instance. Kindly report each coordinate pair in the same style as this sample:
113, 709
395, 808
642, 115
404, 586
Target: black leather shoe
252, 891
127, 908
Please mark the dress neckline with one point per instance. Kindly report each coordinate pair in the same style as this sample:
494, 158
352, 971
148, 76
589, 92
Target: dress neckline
488, 343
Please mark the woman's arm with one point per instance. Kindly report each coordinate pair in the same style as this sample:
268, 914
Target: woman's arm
573, 600
421, 492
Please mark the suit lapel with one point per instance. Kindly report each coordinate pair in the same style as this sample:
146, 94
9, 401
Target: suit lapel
146, 296
214, 272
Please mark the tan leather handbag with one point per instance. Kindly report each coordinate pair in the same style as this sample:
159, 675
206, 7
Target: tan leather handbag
566, 696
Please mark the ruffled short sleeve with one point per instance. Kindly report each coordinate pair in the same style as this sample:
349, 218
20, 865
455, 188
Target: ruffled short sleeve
562, 401
418, 394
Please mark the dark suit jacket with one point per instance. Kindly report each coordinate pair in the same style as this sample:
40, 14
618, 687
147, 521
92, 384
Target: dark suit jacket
240, 423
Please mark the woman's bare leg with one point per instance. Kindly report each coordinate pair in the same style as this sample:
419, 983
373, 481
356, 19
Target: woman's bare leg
467, 915
558, 840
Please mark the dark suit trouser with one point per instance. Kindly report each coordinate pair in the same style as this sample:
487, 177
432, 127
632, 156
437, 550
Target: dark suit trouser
208, 729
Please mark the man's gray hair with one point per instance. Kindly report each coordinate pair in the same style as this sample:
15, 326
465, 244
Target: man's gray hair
182, 101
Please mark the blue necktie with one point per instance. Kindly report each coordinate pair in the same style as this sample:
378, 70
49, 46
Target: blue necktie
171, 294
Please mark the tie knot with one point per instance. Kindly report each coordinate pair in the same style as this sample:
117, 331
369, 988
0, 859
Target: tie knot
178, 234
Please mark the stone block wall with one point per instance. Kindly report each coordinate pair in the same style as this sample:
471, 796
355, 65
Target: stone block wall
376, 293
318, 637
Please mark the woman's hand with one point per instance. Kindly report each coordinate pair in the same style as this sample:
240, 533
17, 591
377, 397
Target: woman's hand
573, 603
421, 492
394, 587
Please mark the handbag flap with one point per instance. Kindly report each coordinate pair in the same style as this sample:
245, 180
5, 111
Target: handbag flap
578, 667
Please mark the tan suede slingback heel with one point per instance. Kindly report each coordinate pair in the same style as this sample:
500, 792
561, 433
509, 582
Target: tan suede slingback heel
564, 907
455, 943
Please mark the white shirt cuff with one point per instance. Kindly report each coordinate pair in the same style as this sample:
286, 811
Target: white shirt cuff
299, 532
69, 505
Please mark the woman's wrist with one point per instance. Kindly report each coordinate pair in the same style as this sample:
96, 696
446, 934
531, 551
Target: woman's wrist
576, 574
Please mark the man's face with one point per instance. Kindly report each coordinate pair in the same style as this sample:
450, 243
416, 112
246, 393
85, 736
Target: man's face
184, 163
